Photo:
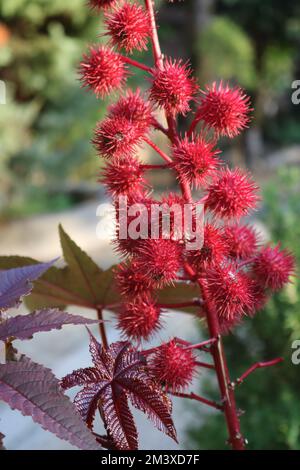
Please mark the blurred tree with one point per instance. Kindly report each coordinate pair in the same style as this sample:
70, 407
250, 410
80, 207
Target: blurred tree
269, 396
273, 27
42, 139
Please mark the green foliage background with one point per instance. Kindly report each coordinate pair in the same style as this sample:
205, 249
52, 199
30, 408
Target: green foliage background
46, 123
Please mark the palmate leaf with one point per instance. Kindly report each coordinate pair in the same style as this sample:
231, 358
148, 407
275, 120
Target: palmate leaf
25, 326
80, 283
16, 283
34, 391
119, 374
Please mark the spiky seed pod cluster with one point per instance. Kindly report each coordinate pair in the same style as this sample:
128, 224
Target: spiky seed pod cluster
173, 365
237, 272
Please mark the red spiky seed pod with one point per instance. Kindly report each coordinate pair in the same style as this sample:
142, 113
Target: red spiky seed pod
139, 319
130, 282
229, 289
129, 27
173, 366
115, 137
195, 160
102, 70
123, 176
135, 109
273, 267
241, 239
101, 4
159, 259
172, 87
224, 109
232, 194
214, 248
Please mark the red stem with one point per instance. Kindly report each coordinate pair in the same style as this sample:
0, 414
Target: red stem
194, 303
154, 167
154, 35
194, 396
102, 328
158, 150
136, 64
227, 394
255, 366
159, 127
204, 364
193, 126
202, 344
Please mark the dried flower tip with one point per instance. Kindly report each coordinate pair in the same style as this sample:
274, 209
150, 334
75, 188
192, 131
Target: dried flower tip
224, 109
195, 161
232, 194
102, 70
129, 27
173, 366
273, 267
139, 319
241, 239
123, 176
172, 87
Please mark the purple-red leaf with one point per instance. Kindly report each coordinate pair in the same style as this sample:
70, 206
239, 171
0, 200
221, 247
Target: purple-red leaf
86, 401
150, 399
24, 326
34, 390
118, 418
119, 373
15, 283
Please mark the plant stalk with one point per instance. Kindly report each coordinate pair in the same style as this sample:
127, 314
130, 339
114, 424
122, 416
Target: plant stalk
102, 330
227, 394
